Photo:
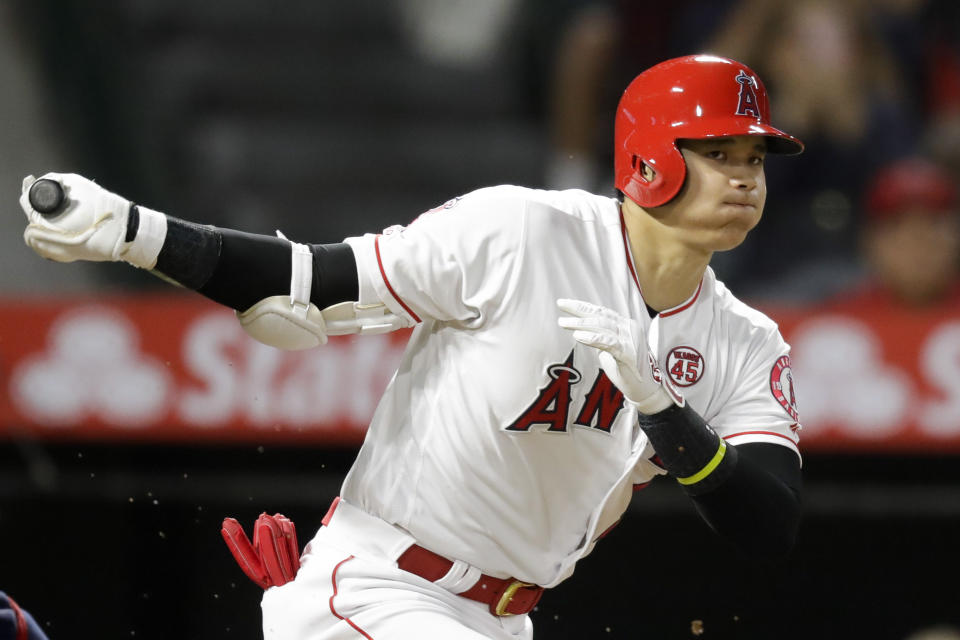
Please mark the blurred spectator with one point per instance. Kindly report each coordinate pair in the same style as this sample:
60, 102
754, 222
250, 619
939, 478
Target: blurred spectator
910, 239
942, 137
459, 33
586, 52
835, 73
577, 99
834, 81
925, 36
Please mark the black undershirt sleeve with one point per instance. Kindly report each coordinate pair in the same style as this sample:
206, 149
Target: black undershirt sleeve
335, 269
757, 507
751, 497
239, 269
748, 494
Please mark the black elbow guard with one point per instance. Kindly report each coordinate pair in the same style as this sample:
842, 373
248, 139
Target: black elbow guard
689, 449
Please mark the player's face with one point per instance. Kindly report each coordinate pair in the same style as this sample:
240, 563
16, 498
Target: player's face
723, 196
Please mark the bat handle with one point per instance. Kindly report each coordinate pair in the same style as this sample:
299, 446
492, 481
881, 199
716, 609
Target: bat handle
47, 197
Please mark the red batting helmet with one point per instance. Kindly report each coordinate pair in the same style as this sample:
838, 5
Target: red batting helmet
701, 96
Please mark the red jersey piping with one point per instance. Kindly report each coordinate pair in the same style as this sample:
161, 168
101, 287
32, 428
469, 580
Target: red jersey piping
383, 274
671, 312
636, 280
626, 250
765, 433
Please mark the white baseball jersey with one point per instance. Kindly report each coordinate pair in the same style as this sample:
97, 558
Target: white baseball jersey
500, 442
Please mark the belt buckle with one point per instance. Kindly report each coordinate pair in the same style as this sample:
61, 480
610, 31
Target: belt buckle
508, 593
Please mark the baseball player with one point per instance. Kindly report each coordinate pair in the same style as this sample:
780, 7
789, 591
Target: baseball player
567, 348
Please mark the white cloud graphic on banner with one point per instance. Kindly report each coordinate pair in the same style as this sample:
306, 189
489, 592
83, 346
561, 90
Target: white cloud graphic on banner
92, 368
840, 364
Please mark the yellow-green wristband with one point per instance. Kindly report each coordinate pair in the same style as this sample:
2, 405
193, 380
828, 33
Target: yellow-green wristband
709, 468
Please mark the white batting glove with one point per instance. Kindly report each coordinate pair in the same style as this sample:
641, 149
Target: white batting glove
93, 225
624, 354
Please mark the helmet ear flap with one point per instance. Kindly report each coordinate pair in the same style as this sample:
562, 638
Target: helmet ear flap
652, 183
643, 170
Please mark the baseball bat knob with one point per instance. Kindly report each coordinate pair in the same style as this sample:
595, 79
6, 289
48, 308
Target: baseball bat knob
47, 197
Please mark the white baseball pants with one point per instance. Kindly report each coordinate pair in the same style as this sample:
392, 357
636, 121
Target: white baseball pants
349, 588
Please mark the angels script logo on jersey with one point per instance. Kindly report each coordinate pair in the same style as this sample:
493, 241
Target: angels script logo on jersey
781, 385
552, 405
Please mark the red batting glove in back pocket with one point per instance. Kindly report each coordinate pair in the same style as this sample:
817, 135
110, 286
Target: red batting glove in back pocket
273, 558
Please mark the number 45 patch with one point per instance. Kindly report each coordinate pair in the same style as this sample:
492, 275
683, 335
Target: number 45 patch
685, 366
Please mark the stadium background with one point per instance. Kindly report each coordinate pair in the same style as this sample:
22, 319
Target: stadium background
327, 119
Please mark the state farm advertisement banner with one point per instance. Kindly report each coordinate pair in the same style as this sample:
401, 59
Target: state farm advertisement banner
875, 378
179, 368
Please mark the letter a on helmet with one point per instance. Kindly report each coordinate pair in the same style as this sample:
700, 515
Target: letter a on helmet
695, 97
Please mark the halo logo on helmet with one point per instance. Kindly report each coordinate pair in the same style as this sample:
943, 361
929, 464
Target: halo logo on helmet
747, 106
693, 97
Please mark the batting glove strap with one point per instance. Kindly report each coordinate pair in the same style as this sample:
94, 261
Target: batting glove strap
148, 237
688, 448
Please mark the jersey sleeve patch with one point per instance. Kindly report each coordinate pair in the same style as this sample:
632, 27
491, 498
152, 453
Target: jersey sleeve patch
782, 387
